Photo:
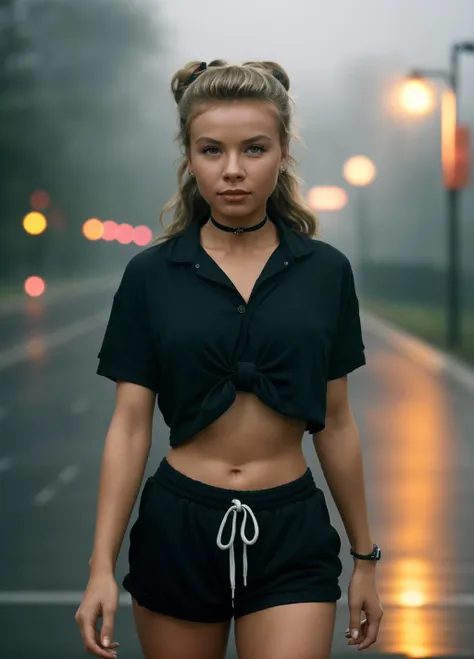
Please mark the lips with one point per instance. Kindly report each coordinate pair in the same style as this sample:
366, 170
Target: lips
236, 192
234, 197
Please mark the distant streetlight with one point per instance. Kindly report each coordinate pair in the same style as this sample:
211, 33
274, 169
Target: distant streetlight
360, 172
416, 97
34, 286
39, 200
93, 229
455, 157
34, 223
142, 235
124, 234
327, 198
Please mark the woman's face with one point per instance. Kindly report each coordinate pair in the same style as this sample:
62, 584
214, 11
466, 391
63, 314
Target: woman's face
236, 146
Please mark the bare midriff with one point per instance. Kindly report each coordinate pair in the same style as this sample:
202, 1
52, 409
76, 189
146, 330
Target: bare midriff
250, 447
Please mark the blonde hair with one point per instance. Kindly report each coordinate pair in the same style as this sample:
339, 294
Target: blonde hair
198, 83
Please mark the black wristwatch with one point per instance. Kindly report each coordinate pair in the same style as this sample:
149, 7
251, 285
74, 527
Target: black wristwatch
375, 555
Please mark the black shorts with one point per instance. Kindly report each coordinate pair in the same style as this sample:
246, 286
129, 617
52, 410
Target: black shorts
207, 554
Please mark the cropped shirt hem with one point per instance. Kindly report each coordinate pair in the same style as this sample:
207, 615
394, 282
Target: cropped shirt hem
115, 372
349, 366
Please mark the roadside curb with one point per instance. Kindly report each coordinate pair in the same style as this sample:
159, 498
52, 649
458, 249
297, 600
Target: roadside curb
423, 353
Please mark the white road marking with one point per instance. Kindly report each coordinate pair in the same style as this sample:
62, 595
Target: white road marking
45, 495
80, 406
19, 353
65, 477
74, 597
68, 474
5, 464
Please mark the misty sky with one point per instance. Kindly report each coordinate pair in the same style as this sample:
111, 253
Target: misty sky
318, 37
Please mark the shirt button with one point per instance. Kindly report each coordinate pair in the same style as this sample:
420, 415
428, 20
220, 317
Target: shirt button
197, 265
241, 309
285, 263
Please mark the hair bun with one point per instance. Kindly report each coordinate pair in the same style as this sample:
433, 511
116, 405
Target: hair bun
188, 74
276, 70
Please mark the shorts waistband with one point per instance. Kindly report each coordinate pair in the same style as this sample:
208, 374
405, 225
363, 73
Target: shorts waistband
217, 497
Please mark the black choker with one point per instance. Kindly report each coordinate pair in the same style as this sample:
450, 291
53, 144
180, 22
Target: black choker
239, 230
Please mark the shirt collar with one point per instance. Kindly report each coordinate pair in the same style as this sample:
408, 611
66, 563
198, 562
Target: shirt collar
185, 247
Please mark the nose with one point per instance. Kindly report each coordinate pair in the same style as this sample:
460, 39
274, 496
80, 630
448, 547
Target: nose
233, 168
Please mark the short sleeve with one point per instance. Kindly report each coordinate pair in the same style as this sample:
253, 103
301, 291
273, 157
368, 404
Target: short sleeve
127, 352
348, 349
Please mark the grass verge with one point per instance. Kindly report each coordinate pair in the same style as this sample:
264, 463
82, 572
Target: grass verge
426, 322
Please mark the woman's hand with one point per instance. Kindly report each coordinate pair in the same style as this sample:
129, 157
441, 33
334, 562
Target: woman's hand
364, 607
100, 600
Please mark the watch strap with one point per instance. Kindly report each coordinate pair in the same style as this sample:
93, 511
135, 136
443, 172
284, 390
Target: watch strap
375, 554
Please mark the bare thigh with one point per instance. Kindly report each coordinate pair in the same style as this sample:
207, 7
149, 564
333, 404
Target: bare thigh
291, 631
163, 637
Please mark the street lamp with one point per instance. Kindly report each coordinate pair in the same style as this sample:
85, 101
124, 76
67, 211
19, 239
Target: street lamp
416, 96
327, 198
454, 178
360, 171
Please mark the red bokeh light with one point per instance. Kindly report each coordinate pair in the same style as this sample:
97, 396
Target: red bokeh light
142, 235
39, 200
110, 230
124, 234
35, 286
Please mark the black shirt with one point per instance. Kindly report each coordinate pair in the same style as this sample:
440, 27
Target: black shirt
179, 326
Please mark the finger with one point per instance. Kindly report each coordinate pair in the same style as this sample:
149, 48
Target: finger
354, 624
112, 645
107, 631
88, 635
362, 633
371, 636
363, 628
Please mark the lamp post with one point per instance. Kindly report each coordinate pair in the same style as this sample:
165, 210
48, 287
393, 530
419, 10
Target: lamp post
451, 136
360, 171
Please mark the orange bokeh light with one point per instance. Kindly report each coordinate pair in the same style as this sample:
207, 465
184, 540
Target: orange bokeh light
327, 198
34, 286
34, 223
359, 171
93, 229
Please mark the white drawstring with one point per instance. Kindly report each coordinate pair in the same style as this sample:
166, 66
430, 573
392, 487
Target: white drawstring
237, 507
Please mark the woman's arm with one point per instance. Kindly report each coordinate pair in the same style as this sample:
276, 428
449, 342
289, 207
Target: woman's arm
124, 458
340, 455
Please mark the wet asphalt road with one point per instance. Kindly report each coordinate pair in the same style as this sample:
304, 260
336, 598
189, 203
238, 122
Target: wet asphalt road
54, 412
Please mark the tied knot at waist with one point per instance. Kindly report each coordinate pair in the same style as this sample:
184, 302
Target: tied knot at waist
245, 374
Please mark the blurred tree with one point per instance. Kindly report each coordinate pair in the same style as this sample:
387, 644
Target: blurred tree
92, 97
18, 158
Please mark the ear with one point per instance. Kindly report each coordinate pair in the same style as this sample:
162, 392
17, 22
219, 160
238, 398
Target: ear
285, 152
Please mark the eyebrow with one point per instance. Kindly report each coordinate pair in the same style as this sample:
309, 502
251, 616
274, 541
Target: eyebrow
256, 138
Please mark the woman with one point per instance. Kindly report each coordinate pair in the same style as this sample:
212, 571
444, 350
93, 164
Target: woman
244, 327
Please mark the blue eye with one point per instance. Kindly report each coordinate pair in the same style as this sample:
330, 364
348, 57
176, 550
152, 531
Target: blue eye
260, 149
213, 150
210, 148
